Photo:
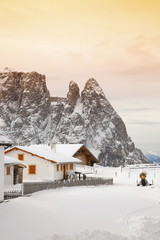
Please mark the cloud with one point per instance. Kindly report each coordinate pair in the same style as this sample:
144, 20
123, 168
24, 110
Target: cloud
137, 109
138, 51
102, 43
143, 123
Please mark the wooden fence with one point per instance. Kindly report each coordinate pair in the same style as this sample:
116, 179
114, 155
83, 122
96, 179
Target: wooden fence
32, 187
13, 191
19, 190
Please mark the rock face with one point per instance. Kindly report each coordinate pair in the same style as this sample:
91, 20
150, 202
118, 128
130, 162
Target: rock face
31, 116
25, 106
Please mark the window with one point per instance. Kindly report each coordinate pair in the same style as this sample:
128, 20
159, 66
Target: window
21, 156
8, 171
61, 167
71, 166
66, 166
32, 169
57, 168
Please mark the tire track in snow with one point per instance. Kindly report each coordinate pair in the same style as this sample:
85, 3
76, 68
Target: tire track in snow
135, 214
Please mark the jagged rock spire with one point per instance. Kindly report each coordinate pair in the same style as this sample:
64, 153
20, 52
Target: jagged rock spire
73, 93
93, 84
92, 89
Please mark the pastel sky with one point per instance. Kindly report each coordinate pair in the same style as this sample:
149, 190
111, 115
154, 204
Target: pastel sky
115, 41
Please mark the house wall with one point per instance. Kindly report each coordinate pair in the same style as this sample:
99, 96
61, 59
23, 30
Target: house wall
8, 179
82, 157
44, 169
1, 173
59, 174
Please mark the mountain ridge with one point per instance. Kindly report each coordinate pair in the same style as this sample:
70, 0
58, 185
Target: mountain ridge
32, 116
152, 157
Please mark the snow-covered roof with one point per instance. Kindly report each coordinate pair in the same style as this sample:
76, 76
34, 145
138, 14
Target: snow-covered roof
61, 158
5, 141
12, 161
46, 152
67, 149
70, 149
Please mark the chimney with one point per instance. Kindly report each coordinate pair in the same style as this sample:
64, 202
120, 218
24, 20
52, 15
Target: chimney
53, 147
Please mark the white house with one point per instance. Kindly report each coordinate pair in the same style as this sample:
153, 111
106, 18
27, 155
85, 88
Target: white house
42, 163
3, 142
13, 171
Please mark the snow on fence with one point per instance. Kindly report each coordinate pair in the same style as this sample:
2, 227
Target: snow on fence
31, 187
13, 191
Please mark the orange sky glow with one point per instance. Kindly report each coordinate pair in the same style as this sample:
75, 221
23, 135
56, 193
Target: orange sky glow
115, 41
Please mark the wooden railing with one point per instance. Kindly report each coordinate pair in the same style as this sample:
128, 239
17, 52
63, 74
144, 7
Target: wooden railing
31, 187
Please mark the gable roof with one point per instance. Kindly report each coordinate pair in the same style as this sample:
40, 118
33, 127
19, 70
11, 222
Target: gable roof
12, 161
71, 149
45, 152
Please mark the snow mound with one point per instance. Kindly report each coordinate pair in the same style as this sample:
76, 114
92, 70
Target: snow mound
148, 230
87, 235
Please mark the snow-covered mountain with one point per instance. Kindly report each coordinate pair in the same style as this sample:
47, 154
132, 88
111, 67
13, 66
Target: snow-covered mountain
152, 157
31, 116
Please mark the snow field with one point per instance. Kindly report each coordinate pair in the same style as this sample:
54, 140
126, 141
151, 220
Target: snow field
119, 212
129, 176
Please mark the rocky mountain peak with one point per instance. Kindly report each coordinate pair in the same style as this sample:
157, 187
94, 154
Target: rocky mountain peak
91, 83
94, 100
25, 105
73, 93
31, 116
72, 97
92, 86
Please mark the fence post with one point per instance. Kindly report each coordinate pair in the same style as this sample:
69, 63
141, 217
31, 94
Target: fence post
129, 175
22, 189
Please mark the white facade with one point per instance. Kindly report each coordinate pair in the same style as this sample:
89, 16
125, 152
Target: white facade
45, 170
1, 173
13, 171
60, 174
8, 178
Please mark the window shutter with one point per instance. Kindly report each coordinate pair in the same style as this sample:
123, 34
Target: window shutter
21, 156
71, 166
32, 169
8, 171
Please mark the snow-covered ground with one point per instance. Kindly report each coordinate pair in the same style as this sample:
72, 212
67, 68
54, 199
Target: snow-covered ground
119, 212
